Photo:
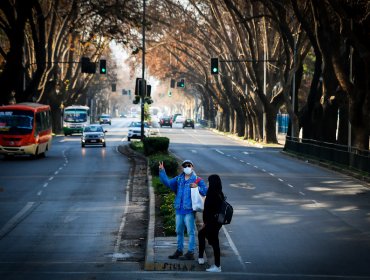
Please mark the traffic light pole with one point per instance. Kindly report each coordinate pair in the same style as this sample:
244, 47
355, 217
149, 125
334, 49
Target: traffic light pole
143, 85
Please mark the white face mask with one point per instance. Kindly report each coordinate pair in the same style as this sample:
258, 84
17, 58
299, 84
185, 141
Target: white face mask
188, 170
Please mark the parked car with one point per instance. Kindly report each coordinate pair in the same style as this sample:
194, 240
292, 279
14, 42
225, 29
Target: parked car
165, 121
188, 123
105, 119
93, 134
134, 131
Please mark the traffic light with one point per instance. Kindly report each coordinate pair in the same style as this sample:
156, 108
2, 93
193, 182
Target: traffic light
87, 66
148, 98
138, 86
148, 90
136, 100
181, 83
214, 66
103, 66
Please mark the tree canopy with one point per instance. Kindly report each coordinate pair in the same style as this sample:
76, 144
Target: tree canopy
308, 58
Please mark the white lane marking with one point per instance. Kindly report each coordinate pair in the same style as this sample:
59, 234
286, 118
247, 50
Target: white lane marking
39, 193
56, 172
290, 186
248, 163
235, 158
51, 178
60, 168
281, 180
123, 221
228, 155
233, 247
194, 151
302, 193
263, 170
13, 221
272, 174
218, 151
246, 153
241, 160
45, 185
255, 166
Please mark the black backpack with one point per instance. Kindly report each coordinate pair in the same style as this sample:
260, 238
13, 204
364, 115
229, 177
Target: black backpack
225, 213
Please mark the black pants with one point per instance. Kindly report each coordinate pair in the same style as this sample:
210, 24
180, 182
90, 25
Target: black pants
210, 231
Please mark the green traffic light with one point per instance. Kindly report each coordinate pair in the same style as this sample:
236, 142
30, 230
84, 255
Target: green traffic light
214, 65
103, 66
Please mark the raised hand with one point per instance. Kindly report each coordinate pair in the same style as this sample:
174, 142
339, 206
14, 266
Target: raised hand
161, 166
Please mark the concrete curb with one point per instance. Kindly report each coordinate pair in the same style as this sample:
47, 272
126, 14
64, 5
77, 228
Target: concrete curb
149, 256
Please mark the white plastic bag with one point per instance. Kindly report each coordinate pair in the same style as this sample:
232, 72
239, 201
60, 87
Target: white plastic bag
197, 200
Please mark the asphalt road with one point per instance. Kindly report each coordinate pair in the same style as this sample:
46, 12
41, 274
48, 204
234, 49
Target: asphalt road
60, 217
63, 212
292, 219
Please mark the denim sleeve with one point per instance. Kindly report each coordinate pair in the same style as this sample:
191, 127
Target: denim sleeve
202, 188
169, 183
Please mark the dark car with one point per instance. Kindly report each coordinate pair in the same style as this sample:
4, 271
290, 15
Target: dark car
105, 119
188, 123
93, 134
165, 121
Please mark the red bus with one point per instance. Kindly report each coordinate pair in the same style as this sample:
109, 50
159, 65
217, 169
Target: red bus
25, 129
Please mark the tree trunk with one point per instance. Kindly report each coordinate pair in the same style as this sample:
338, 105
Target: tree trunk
270, 129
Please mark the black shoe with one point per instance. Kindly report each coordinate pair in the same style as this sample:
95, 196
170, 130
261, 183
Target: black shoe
175, 255
188, 256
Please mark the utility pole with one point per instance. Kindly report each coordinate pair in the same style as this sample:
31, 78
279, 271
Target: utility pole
143, 84
293, 89
264, 90
349, 107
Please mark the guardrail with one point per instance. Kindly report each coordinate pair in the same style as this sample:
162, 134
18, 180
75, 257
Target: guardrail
330, 152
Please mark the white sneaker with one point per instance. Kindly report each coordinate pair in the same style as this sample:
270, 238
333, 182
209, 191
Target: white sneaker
214, 268
201, 260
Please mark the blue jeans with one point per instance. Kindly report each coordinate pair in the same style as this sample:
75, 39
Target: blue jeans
187, 220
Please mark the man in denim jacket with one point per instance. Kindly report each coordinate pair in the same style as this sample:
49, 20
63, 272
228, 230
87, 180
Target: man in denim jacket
185, 217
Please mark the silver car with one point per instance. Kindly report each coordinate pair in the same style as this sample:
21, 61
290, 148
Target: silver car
93, 134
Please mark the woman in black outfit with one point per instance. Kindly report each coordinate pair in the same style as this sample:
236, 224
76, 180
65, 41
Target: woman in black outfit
211, 227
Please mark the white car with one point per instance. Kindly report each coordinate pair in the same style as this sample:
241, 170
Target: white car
179, 121
134, 130
154, 128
